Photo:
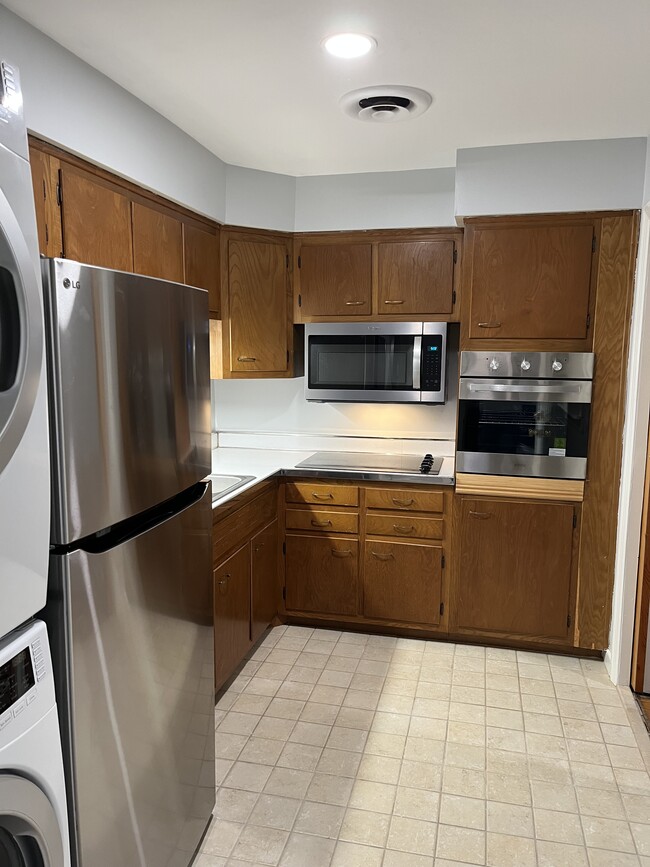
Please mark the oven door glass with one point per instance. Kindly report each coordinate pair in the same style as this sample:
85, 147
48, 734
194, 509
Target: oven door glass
507, 427
355, 363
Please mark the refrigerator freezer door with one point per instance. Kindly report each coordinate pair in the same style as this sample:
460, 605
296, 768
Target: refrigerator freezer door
130, 393
136, 692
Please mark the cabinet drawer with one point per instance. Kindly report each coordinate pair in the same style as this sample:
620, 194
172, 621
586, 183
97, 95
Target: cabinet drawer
403, 582
322, 522
401, 525
411, 501
326, 495
239, 526
322, 574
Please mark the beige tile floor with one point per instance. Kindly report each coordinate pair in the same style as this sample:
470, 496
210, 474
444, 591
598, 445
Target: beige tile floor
367, 751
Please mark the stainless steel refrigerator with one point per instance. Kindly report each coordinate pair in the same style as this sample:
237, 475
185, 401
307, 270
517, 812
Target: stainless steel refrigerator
130, 600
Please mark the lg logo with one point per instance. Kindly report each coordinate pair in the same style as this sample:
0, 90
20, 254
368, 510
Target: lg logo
67, 283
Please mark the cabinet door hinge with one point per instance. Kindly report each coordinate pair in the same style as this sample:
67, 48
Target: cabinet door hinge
443, 561
442, 608
455, 255
568, 620
300, 261
593, 244
453, 297
47, 235
287, 260
299, 300
59, 190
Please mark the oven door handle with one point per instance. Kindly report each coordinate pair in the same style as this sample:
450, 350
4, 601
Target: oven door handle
560, 388
417, 361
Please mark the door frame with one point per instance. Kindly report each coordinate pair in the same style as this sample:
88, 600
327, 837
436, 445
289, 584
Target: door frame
618, 657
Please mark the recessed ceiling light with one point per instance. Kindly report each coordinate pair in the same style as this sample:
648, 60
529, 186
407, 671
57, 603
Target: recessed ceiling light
349, 44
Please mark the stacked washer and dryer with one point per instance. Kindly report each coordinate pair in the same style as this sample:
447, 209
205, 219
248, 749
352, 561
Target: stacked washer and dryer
33, 815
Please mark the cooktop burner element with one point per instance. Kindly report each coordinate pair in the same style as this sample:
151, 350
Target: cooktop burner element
369, 462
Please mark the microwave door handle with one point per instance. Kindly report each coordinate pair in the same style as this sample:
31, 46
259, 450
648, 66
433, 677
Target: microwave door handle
417, 361
525, 388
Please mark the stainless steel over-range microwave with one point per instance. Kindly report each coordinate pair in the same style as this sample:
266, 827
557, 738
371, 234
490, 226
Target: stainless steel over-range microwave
387, 362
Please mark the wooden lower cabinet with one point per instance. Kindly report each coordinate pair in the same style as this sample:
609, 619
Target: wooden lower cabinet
322, 574
264, 579
515, 569
403, 582
232, 612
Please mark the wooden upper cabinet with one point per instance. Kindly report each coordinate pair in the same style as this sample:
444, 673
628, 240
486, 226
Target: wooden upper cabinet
515, 569
201, 254
96, 220
257, 296
335, 279
530, 280
157, 244
40, 167
415, 277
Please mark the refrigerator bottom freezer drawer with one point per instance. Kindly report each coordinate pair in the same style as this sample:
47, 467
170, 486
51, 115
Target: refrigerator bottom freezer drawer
136, 678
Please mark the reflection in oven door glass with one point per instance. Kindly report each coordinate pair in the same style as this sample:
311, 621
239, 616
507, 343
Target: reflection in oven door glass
509, 427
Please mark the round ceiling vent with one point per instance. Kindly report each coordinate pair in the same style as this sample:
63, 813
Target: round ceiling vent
386, 103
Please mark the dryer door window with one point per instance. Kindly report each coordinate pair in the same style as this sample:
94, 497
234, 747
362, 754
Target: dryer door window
29, 830
21, 333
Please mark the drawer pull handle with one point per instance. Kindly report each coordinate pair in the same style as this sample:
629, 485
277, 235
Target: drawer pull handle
489, 325
321, 523
393, 302
246, 358
322, 496
379, 556
482, 515
337, 553
403, 503
400, 528
354, 303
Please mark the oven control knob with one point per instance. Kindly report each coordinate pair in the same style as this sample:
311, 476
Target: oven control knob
494, 364
525, 364
557, 365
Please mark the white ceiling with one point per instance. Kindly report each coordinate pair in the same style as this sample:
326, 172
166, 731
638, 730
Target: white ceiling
250, 81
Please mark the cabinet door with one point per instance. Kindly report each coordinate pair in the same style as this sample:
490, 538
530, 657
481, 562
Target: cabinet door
96, 221
264, 579
416, 277
258, 306
157, 244
322, 574
530, 281
403, 582
335, 279
232, 612
515, 570
201, 249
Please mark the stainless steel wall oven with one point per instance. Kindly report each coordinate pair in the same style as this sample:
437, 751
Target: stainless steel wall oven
524, 414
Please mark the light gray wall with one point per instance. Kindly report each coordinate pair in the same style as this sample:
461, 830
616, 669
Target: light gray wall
376, 200
71, 104
551, 176
261, 199
646, 193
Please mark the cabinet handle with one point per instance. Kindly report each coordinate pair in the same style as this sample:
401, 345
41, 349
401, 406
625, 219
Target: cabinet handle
379, 556
489, 325
482, 515
224, 582
354, 303
246, 358
400, 528
337, 553
259, 547
403, 503
321, 523
393, 302
322, 496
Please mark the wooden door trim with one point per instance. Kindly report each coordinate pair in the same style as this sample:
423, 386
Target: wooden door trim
642, 613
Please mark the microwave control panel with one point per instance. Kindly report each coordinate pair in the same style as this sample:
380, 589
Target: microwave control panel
431, 375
